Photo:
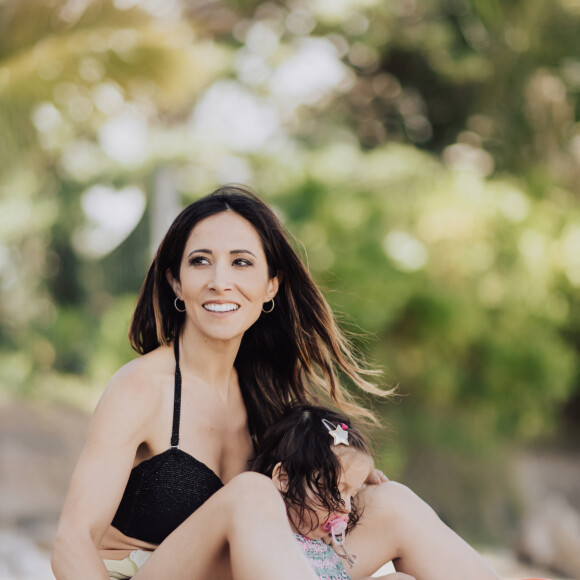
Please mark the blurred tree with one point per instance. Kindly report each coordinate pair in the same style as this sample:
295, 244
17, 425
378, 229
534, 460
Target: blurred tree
458, 277
79, 81
426, 153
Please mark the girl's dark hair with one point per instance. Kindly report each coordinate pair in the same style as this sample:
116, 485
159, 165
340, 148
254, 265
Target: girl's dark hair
300, 441
294, 353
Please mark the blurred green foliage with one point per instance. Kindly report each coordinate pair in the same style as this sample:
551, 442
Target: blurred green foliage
425, 153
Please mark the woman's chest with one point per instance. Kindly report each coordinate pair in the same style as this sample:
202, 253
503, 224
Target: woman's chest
211, 429
216, 435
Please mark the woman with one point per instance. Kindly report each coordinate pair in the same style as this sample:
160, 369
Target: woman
231, 328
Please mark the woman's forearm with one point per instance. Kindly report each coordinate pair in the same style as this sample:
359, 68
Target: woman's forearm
75, 556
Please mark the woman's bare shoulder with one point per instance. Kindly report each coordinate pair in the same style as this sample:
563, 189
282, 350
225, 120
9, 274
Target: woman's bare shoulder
140, 384
146, 368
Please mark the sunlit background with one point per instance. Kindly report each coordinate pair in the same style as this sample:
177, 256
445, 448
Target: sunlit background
424, 153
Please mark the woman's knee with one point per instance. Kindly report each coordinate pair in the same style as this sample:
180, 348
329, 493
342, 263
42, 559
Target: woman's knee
254, 495
394, 502
253, 484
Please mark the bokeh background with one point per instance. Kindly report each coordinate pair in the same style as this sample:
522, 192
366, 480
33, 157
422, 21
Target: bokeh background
424, 153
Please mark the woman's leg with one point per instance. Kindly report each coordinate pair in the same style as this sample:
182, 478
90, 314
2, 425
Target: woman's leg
240, 533
397, 525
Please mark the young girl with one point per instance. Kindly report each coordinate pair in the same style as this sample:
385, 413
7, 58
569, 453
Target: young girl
319, 462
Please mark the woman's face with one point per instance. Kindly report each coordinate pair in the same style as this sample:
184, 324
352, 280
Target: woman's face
223, 277
356, 469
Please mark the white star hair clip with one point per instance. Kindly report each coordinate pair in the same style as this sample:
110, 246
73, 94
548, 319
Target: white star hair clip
339, 432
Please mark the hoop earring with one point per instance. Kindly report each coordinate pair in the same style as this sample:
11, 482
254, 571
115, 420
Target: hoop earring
270, 310
177, 307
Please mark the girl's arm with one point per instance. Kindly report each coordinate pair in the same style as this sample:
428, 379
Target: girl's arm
391, 576
99, 480
376, 476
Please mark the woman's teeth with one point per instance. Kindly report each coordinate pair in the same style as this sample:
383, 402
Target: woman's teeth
221, 307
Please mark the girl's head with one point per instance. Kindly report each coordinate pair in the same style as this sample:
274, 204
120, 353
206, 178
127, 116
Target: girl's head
318, 478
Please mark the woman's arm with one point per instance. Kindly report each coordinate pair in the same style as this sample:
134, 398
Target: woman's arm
99, 479
398, 525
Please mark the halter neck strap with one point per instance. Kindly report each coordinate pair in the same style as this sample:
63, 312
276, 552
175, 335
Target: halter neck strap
176, 396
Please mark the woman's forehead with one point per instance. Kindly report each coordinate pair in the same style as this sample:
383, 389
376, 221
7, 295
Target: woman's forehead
226, 229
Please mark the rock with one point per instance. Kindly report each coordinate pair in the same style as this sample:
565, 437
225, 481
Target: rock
20, 558
39, 446
550, 536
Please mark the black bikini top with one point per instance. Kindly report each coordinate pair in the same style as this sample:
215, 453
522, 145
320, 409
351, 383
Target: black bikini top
162, 492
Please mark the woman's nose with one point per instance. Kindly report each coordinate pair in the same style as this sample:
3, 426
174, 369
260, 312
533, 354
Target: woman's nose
219, 280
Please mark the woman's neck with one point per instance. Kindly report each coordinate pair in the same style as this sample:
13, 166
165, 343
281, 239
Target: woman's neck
212, 361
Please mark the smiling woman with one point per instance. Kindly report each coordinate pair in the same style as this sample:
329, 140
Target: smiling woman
231, 329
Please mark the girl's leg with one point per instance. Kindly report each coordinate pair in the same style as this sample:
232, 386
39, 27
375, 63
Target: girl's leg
397, 525
240, 533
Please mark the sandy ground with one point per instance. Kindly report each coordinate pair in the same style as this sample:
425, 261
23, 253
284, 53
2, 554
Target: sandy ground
38, 448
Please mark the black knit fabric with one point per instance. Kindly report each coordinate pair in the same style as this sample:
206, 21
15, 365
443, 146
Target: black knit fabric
165, 490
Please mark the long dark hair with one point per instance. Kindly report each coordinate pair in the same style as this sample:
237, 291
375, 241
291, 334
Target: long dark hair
300, 441
293, 354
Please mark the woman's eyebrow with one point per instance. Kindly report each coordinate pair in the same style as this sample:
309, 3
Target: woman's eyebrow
243, 252
205, 251
200, 251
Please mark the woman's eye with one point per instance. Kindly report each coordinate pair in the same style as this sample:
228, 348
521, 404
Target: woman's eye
242, 262
198, 260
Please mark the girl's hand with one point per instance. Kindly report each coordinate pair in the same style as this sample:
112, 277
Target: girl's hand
394, 576
375, 477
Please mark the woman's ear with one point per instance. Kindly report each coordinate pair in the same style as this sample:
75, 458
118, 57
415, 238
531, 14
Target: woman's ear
273, 285
280, 477
174, 283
